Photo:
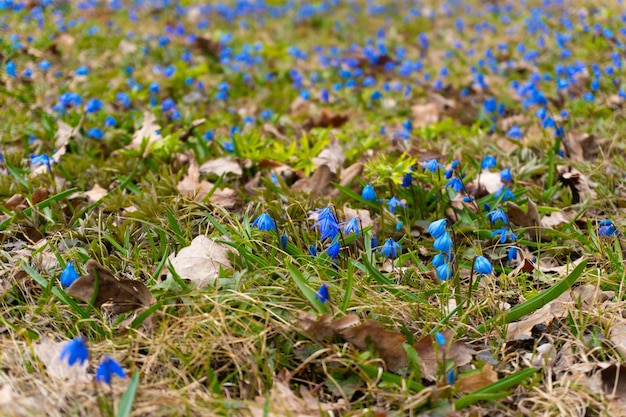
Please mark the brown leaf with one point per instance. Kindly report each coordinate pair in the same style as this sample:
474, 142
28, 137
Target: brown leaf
580, 147
150, 130
529, 219
17, 201
477, 380
387, 343
210, 46
426, 114
579, 184
121, 293
614, 381
325, 120
458, 352
318, 183
223, 197
325, 327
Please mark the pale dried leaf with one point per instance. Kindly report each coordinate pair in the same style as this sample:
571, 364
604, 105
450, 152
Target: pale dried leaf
200, 262
426, 114
362, 214
332, 156
191, 186
49, 353
220, 166
430, 352
150, 130
18, 405
488, 180
96, 193
223, 197
529, 219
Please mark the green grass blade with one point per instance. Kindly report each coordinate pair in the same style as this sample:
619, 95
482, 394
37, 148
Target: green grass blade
539, 301
126, 402
495, 388
383, 281
304, 287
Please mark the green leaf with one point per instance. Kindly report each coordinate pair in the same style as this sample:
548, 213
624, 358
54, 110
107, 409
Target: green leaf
126, 402
495, 390
304, 287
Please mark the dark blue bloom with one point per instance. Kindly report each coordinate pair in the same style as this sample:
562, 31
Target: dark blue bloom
333, 249
443, 243
456, 183
482, 265
589, 97
283, 240
514, 133
327, 223
490, 105
432, 165
505, 175
437, 228
42, 159
512, 254
351, 225
95, 133
109, 121
607, 229
497, 215
312, 250
107, 368
391, 249
503, 234
374, 242
10, 69
69, 275
488, 162
94, 105
393, 202
368, 193
322, 294
506, 194
407, 180
444, 271
75, 351
264, 222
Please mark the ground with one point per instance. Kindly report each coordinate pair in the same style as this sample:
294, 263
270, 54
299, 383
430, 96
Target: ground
329, 208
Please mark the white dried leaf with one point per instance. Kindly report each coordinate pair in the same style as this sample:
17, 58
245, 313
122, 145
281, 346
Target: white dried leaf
201, 261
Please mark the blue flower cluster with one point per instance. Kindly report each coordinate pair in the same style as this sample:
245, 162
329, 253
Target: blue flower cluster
443, 244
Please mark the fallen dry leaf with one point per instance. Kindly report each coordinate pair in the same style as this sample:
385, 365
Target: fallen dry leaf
387, 343
191, 186
477, 380
200, 262
284, 402
325, 120
18, 405
332, 156
529, 220
581, 186
453, 350
150, 130
49, 353
63, 136
487, 181
325, 327
221, 166
96, 193
318, 184
580, 147
119, 294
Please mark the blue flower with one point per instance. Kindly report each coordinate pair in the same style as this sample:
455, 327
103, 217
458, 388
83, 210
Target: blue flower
496, 215
95, 133
333, 250
368, 193
440, 259
94, 105
123, 99
589, 97
374, 242
393, 202
456, 183
351, 225
505, 193
512, 254
490, 105
327, 223
264, 222
42, 159
10, 69
391, 248
322, 294
69, 275
505, 175
444, 272
283, 240
482, 265
607, 229
514, 133
312, 250
407, 180
109, 121
75, 351
107, 368
154, 87
443, 243
437, 228
431, 165
82, 70
503, 234
488, 162
440, 338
